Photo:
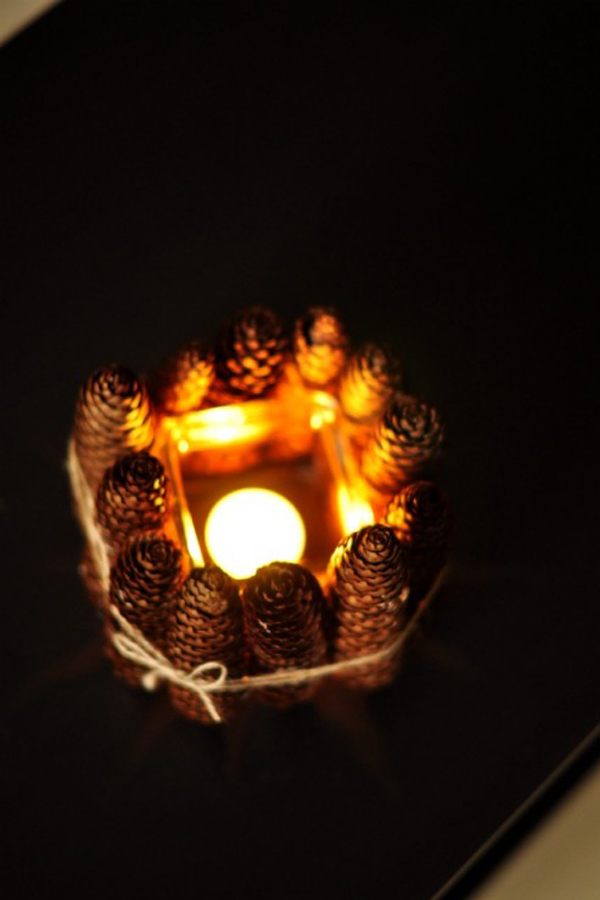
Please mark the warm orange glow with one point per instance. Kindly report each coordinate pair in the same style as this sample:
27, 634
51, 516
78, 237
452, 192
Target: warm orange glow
191, 538
320, 418
253, 533
251, 421
354, 511
251, 528
324, 400
223, 425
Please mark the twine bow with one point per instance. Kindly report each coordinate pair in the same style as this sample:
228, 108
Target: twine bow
132, 645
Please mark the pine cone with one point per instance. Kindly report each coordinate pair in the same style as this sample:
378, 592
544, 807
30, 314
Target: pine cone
249, 357
320, 345
144, 580
181, 382
112, 415
407, 438
283, 612
370, 381
420, 518
368, 591
131, 498
206, 626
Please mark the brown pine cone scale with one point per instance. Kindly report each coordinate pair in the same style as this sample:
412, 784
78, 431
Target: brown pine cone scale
420, 518
249, 357
407, 439
143, 582
144, 579
320, 345
206, 626
112, 415
370, 381
181, 382
283, 612
368, 592
132, 497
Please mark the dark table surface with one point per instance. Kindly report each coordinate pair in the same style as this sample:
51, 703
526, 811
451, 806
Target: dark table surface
165, 165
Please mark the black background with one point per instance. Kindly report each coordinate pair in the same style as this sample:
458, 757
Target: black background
165, 165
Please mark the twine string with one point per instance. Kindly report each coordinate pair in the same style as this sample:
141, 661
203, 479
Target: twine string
132, 645
85, 509
210, 677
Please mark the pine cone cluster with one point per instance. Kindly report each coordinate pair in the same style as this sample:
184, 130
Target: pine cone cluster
421, 521
371, 380
368, 581
320, 346
278, 619
132, 497
206, 625
283, 611
181, 383
113, 415
407, 438
249, 356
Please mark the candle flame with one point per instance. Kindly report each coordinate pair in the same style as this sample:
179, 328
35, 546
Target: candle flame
191, 538
253, 527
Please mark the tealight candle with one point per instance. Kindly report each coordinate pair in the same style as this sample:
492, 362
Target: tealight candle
252, 527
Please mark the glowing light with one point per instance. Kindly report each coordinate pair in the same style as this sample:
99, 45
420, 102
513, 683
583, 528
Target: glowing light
354, 512
325, 401
221, 425
251, 528
191, 539
320, 417
223, 415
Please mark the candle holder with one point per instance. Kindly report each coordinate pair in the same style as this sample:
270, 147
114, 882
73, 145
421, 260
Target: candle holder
257, 514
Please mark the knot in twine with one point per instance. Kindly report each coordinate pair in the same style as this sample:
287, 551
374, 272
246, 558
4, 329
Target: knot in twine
205, 679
